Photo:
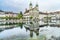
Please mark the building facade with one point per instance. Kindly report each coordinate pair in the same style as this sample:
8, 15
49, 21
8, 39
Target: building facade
32, 13
11, 14
2, 14
8, 14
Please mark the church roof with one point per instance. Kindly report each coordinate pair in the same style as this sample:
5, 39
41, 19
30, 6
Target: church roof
29, 10
43, 13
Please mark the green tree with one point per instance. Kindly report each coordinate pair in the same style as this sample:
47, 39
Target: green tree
20, 15
31, 17
6, 17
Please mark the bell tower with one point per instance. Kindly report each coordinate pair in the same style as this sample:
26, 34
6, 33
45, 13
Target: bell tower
36, 6
30, 6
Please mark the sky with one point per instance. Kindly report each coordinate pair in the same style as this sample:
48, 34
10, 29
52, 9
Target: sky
21, 5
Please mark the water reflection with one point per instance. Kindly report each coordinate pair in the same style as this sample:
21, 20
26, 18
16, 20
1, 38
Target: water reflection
33, 27
29, 30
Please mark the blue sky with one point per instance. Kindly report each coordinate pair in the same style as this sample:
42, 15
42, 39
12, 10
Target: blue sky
20, 5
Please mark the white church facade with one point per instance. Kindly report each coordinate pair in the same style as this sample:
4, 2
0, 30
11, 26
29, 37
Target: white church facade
32, 13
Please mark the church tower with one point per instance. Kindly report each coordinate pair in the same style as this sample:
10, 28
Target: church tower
36, 6
30, 6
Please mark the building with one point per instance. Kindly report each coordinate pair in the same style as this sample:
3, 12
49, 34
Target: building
50, 18
2, 13
11, 14
8, 14
57, 13
32, 13
42, 15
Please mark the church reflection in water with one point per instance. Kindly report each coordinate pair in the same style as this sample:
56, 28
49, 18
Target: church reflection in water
33, 27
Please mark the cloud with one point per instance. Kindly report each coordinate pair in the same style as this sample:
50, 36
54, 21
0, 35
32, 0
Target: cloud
13, 4
20, 5
47, 5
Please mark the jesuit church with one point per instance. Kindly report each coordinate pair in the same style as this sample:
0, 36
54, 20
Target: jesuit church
31, 12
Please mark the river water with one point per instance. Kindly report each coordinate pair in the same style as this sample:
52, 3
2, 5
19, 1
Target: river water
29, 31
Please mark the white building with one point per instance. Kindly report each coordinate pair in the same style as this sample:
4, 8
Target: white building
57, 13
11, 14
2, 14
8, 14
32, 12
42, 15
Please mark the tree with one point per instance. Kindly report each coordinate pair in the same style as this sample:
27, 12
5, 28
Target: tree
21, 12
6, 17
20, 15
31, 17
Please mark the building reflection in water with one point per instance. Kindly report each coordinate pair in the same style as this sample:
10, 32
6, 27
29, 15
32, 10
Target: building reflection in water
10, 26
36, 32
20, 25
33, 27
